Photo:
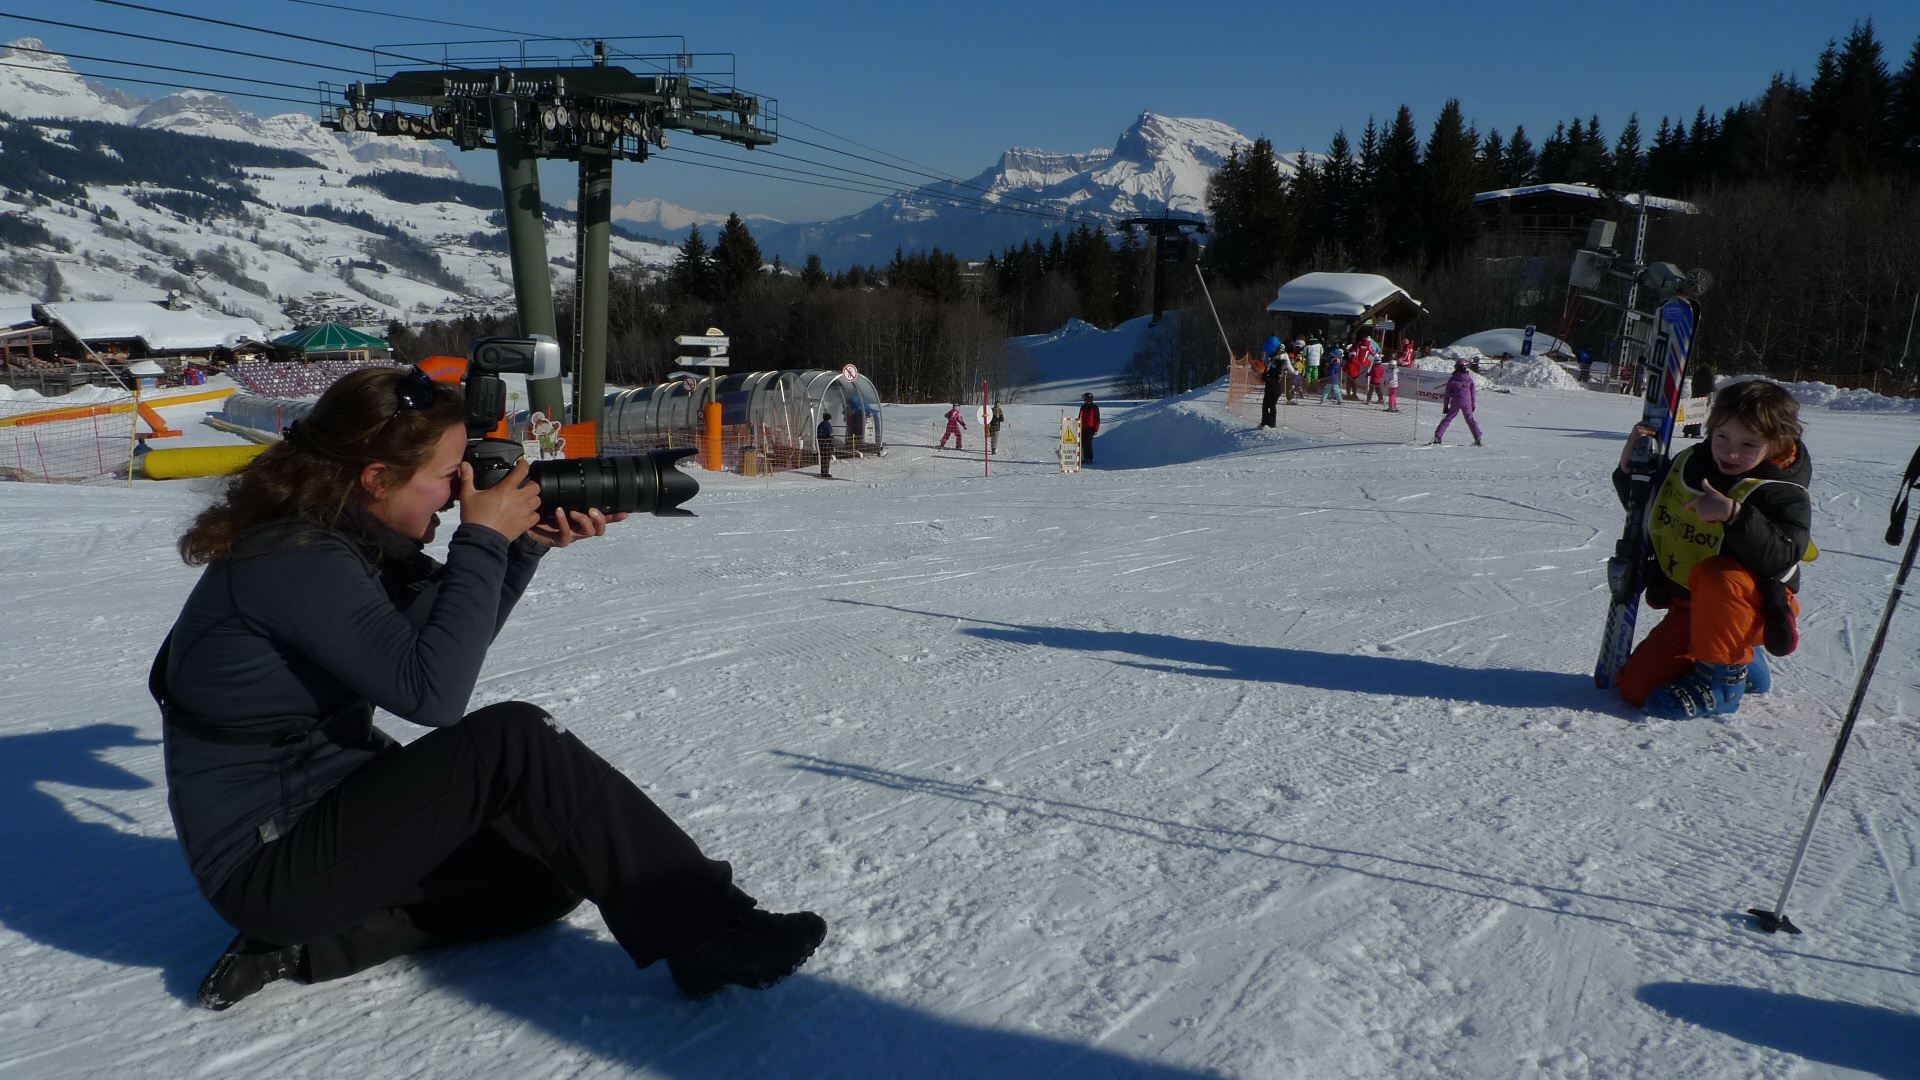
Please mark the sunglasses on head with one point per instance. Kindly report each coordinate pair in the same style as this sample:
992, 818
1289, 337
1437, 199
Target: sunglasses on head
415, 390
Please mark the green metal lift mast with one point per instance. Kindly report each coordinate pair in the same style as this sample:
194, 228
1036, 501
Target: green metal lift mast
584, 110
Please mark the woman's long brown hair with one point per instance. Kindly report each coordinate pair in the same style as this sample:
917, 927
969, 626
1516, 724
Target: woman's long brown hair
314, 472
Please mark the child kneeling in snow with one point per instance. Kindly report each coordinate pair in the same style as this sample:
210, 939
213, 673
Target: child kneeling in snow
1729, 524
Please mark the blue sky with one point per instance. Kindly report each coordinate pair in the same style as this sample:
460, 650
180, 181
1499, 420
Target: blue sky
950, 86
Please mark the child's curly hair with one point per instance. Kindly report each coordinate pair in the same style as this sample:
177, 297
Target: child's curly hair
1764, 408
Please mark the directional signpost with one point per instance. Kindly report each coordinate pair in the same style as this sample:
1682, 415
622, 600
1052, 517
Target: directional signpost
708, 350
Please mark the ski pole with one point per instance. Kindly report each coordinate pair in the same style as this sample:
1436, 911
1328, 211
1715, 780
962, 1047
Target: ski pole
1775, 920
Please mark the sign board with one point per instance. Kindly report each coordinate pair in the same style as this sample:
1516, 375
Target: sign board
702, 350
1526, 343
1069, 444
1383, 325
850, 373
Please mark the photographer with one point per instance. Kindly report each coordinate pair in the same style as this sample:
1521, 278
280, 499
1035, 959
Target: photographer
329, 845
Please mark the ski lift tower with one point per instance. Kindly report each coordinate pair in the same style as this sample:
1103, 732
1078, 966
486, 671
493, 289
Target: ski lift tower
1172, 246
554, 99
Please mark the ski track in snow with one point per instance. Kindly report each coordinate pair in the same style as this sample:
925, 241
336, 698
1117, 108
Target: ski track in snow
1262, 765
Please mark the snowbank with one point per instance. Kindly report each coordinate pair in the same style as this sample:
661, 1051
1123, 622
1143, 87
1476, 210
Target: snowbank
1079, 358
1821, 395
1190, 427
1541, 374
1508, 340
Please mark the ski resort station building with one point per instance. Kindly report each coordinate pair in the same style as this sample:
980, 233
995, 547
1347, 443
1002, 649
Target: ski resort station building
1552, 219
1342, 307
55, 347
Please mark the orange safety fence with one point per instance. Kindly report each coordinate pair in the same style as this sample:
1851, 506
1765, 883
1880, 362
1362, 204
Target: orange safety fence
1303, 410
80, 444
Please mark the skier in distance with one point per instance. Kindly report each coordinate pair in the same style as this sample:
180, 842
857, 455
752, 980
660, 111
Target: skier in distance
1730, 522
1458, 400
329, 845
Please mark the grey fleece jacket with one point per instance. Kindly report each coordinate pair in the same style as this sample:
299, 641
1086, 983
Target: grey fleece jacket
302, 623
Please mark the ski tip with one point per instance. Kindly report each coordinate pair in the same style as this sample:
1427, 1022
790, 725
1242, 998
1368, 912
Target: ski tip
1772, 922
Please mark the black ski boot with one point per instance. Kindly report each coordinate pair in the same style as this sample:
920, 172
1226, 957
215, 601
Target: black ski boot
248, 965
754, 949
1476, 440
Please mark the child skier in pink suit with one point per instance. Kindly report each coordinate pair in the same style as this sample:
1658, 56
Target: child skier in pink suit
954, 427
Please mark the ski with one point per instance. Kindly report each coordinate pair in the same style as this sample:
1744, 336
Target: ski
1625, 577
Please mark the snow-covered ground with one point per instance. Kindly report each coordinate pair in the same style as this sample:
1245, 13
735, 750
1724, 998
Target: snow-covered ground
1281, 761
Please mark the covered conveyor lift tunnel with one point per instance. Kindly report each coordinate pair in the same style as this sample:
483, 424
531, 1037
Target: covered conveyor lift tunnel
769, 419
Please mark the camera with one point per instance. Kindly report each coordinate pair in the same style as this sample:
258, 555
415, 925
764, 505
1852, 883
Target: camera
647, 483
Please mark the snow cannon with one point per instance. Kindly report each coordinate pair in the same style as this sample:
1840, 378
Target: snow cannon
647, 483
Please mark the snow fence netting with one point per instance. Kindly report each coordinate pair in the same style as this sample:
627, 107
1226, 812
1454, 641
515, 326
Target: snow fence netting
90, 441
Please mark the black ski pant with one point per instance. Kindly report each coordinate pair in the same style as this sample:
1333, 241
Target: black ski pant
495, 825
1269, 405
1086, 447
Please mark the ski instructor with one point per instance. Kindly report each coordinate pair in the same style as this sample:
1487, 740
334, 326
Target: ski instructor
326, 843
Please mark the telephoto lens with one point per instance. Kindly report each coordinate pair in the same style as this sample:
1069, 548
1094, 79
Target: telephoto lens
646, 484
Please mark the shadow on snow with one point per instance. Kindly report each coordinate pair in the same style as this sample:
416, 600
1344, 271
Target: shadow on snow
88, 887
1861, 1037
106, 893
583, 991
1504, 687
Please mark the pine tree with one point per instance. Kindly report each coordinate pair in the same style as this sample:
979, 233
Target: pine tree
1903, 114
1521, 166
1400, 199
736, 257
1667, 160
1340, 213
1449, 177
1627, 170
1556, 156
1252, 216
692, 272
813, 275
1492, 152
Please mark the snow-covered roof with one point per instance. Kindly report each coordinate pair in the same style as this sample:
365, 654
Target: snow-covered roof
1587, 191
160, 327
15, 311
1345, 295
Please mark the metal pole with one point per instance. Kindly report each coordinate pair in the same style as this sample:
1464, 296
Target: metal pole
526, 241
590, 291
1774, 920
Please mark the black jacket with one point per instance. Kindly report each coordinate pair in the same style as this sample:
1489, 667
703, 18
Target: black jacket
285, 646
1769, 535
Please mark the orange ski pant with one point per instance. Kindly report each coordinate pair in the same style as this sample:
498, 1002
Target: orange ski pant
1719, 624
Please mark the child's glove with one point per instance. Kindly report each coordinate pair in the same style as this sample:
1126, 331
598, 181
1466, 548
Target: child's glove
1782, 633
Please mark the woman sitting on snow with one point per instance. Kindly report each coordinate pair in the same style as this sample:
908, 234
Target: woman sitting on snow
330, 846
1730, 522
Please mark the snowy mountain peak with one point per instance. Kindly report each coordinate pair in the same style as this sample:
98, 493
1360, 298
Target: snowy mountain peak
43, 84
37, 83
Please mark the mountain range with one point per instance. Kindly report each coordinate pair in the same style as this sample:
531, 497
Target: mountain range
301, 222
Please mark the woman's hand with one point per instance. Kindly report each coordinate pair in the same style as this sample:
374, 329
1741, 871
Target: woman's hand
1712, 506
566, 527
509, 507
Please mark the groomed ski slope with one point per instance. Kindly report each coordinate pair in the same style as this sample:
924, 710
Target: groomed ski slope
1282, 762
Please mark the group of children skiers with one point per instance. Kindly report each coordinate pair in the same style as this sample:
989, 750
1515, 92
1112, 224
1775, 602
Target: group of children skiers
1362, 372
